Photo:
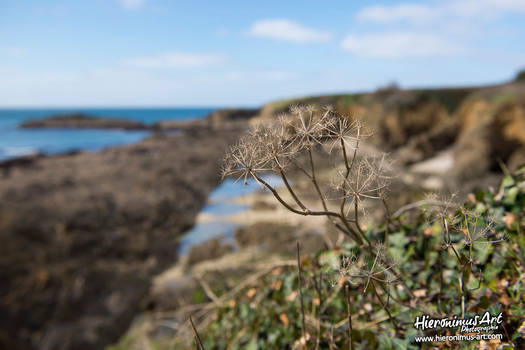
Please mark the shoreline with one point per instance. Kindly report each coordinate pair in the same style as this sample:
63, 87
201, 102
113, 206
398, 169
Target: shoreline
85, 231
80, 126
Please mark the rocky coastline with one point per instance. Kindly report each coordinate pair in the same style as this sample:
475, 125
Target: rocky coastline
83, 121
223, 118
83, 233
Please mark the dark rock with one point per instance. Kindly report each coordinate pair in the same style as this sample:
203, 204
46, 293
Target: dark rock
491, 134
83, 121
222, 119
211, 249
82, 234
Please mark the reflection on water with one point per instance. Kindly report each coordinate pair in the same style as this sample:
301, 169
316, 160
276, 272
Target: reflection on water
220, 205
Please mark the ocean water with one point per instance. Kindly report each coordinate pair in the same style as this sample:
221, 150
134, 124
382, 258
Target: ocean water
15, 142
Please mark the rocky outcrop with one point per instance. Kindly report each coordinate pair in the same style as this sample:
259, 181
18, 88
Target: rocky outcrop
83, 121
82, 234
491, 135
217, 120
482, 126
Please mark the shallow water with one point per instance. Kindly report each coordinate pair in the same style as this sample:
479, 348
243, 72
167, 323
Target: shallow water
220, 205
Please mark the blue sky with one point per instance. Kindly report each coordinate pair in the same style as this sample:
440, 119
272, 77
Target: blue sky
245, 53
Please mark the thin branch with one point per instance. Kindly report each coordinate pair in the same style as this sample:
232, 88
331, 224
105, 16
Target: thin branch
314, 180
206, 288
318, 287
279, 198
198, 341
348, 231
384, 307
303, 329
349, 316
356, 222
387, 223
290, 190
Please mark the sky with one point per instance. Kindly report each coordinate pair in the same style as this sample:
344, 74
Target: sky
102, 53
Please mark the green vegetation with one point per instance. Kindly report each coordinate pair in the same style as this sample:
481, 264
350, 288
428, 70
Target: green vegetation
267, 313
436, 258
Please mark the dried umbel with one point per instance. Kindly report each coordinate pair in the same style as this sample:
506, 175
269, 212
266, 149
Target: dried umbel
369, 178
288, 144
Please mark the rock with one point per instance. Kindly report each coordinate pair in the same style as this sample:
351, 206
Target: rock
491, 133
228, 115
408, 120
218, 120
261, 233
82, 235
211, 249
278, 237
428, 144
83, 121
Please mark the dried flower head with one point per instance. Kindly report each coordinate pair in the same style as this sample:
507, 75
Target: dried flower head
345, 132
369, 178
442, 209
243, 161
355, 269
478, 228
274, 142
309, 125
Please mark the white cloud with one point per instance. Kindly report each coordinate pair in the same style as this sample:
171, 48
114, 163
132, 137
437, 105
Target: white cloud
286, 30
175, 60
401, 12
131, 4
445, 10
432, 28
399, 45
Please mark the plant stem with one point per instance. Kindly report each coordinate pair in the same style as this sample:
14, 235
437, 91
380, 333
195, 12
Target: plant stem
198, 341
288, 206
440, 295
307, 212
387, 223
318, 287
384, 306
356, 222
349, 315
314, 180
303, 328
290, 190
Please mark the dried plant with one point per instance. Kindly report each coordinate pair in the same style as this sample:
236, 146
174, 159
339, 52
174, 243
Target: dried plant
278, 146
288, 145
291, 145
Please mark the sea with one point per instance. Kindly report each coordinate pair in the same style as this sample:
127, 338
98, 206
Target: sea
16, 142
